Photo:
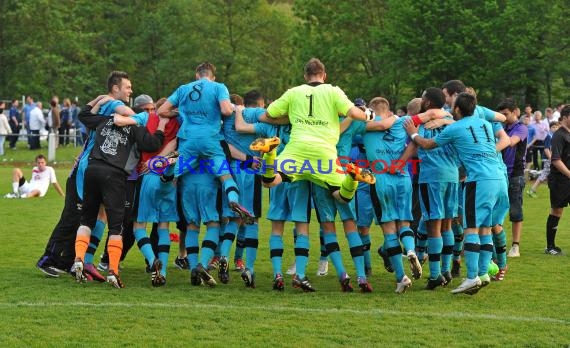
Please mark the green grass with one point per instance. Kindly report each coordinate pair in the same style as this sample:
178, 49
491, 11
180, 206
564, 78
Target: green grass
530, 308
22, 156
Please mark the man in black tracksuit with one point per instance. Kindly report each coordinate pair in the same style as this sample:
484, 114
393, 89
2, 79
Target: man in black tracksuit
110, 162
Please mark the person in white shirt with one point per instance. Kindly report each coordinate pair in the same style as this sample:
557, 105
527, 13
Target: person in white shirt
556, 113
5, 129
42, 176
37, 122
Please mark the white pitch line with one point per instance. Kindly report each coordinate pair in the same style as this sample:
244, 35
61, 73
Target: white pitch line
372, 311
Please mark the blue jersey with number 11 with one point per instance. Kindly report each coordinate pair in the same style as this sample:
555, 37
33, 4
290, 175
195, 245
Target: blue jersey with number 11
474, 142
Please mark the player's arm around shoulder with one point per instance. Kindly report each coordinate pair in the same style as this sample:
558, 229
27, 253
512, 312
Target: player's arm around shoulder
412, 131
148, 142
382, 124
240, 124
89, 119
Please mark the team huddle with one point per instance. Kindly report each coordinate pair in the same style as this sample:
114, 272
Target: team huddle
203, 156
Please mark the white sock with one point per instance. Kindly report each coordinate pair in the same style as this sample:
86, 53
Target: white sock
15, 186
25, 195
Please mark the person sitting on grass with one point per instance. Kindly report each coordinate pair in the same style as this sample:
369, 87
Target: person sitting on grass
42, 176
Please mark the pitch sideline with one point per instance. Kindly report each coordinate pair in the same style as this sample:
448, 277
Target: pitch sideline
452, 315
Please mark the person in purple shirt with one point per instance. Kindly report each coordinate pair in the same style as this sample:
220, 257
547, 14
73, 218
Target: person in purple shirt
514, 158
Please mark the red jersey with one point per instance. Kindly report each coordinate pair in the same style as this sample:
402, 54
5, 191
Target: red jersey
170, 132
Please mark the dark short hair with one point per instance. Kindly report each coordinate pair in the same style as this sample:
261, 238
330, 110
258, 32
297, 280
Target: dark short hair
205, 69
466, 103
454, 86
435, 97
40, 156
565, 112
508, 103
251, 97
115, 78
554, 123
314, 67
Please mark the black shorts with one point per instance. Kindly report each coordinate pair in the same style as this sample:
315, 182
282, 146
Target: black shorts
104, 184
559, 192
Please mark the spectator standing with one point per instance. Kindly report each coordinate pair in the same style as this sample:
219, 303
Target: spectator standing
80, 130
556, 113
53, 119
30, 105
541, 129
36, 123
66, 122
15, 121
5, 129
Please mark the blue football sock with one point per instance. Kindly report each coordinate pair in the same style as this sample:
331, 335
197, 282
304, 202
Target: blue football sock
471, 253
163, 248
228, 238
421, 240
251, 244
365, 239
333, 250
394, 251
324, 253
434, 246
240, 243
485, 253
407, 238
143, 243
191, 243
231, 190
276, 253
458, 239
221, 228
447, 250
357, 253
500, 242
95, 239
209, 244
301, 254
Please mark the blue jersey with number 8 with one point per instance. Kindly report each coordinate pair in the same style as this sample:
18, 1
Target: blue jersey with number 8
198, 104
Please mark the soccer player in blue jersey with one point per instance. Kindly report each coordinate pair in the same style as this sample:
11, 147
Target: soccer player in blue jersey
249, 186
392, 197
438, 180
362, 203
327, 207
290, 201
451, 90
200, 105
475, 145
155, 201
199, 206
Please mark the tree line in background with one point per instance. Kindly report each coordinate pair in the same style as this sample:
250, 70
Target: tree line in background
392, 48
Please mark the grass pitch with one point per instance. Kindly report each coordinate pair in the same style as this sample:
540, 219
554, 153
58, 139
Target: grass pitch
529, 308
